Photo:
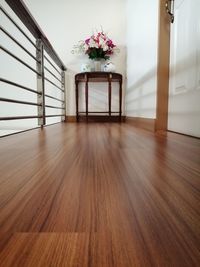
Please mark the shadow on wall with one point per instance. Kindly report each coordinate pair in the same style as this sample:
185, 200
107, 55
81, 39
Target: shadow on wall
141, 96
187, 74
184, 95
185, 82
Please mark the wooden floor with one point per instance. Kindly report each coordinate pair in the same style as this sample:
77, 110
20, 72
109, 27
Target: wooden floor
99, 195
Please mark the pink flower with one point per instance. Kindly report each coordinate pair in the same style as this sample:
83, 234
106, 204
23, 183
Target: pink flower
110, 44
87, 41
98, 45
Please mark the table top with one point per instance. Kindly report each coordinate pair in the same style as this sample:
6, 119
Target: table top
98, 76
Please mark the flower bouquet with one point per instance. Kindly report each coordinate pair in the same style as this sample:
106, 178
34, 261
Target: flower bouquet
98, 46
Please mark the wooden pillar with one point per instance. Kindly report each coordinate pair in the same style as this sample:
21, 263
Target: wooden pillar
163, 68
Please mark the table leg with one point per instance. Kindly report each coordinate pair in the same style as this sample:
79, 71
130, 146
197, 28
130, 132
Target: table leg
86, 99
109, 95
120, 101
77, 115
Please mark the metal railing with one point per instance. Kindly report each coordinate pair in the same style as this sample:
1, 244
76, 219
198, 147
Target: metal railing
41, 46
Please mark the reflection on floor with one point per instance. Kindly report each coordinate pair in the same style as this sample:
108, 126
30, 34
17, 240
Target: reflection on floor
100, 195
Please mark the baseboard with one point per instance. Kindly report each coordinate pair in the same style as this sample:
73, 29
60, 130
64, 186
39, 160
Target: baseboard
187, 135
144, 123
95, 118
70, 119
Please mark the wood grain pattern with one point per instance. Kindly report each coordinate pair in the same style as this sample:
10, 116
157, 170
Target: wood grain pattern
100, 195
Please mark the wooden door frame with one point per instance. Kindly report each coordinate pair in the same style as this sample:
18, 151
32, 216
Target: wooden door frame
163, 67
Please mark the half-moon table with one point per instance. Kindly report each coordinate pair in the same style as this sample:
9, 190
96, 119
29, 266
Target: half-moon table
107, 77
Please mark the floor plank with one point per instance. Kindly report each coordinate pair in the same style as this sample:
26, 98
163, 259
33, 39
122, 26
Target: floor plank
99, 195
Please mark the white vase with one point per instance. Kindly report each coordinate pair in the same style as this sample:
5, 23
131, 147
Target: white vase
97, 65
85, 67
109, 67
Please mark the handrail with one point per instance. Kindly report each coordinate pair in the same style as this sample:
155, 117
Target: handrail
20, 9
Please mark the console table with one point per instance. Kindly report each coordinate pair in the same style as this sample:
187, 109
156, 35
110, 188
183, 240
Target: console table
107, 77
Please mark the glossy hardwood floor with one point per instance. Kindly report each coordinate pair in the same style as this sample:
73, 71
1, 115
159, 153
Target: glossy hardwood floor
99, 195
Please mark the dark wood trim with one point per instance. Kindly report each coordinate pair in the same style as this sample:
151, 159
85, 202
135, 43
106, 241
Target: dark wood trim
98, 112
70, 118
163, 69
28, 20
96, 118
109, 93
97, 77
86, 95
120, 100
144, 123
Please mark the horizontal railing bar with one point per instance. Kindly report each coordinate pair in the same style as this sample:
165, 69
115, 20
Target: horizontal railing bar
49, 116
27, 117
18, 59
20, 86
52, 74
55, 98
52, 64
2, 99
17, 26
53, 84
19, 118
20, 45
48, 106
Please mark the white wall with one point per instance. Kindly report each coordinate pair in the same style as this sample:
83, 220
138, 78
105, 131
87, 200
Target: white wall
65, 22
142, 45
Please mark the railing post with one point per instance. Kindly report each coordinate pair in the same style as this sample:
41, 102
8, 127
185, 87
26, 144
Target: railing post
64, 96
40, 82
